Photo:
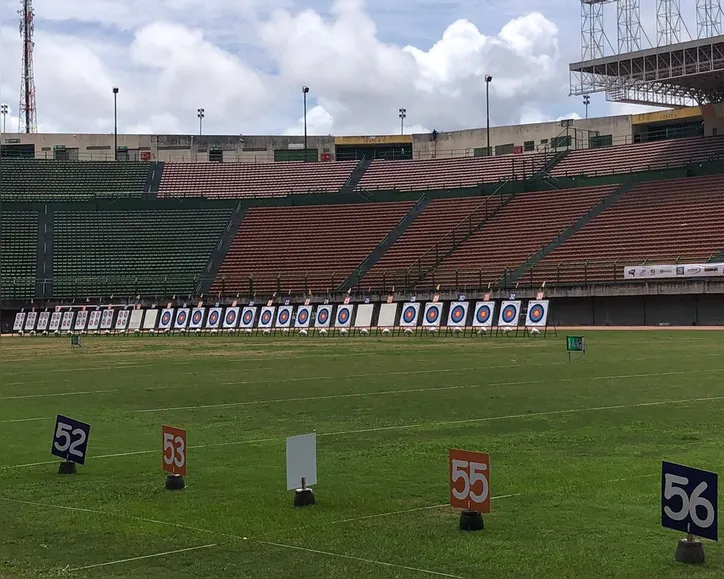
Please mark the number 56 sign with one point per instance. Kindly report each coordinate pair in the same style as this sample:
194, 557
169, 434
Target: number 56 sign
689, 500
174, 450
469, 480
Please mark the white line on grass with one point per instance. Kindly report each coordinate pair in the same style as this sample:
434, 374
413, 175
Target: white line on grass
627, 478
416, 425
145, 557
22, 396
413, 390
24, 420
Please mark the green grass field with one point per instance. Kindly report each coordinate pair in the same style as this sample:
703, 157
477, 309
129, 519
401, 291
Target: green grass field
575, 449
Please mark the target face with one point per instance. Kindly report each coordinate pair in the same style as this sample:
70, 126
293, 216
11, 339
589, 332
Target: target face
266, 318
213, 318
509, 313
303, 316
409, 314
536, 313
230, 317
283, 317
343, 316
323, 316
165, 318
196, 318
432, 315
248, 317
181, 318
457, 314
483, 314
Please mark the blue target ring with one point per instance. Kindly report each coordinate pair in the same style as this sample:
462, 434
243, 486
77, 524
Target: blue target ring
483, 314
181, 318
283, 316
266, 317
509, 313
536, 313
165, 318
343, 316
196, 317
230, 317
303, 316
432, 314
409, 314
213, 318
323, 316
457, 314
247, 317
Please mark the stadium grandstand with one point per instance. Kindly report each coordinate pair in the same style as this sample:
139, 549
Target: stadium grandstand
250, 218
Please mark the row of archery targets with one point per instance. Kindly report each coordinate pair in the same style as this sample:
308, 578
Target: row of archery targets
344, 318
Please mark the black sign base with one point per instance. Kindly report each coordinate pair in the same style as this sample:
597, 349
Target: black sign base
303, 497
471, 521
67, 467
691, 552
175, 482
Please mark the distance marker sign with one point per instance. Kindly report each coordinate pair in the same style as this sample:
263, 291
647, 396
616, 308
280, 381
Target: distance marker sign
70, 439
469, 480
174, 450
689, 500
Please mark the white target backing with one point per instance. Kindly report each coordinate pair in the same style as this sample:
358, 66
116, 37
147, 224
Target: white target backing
409, 314
509, 314
483, 315
432, 315
537, 315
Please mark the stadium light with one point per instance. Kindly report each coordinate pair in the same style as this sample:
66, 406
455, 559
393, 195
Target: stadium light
305, 91
488, 80
201, 113
115, 123
586, 102
403, 114
4, 111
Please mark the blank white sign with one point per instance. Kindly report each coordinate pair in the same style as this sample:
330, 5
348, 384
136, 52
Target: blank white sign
301, 460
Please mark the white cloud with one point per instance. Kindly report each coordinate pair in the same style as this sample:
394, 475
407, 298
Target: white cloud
170, 57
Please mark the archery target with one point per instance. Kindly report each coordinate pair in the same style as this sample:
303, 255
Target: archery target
363, 318
30, 320
231, 317
247, 317
94, 320
43, 320
324, 317
80, 321
19, 321
537, 316
266, 317
149, 320
432, 315
388, 316
107, 319
55, 321
166, 319
344, 316
122, 320
67, 323
134, 324
284, 316
509, 314
182, 318
483, 317
304, 316
408, 317
197, 318
214, 319
458, 314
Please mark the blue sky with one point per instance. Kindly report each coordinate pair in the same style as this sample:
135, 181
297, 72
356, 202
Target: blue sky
244, 62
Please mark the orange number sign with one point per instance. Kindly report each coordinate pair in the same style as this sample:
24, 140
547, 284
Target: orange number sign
470, 480
174, 450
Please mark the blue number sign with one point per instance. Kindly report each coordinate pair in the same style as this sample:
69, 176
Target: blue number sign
70, 439
689, 500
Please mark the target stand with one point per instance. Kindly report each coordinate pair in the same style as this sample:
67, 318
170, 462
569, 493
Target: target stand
175, 482
304, 497
689, 551
67, 467
471, 521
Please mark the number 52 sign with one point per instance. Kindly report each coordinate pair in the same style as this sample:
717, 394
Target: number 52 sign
469, 480
689, 500
174, 450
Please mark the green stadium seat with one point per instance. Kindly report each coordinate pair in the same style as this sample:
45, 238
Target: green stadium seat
18, 254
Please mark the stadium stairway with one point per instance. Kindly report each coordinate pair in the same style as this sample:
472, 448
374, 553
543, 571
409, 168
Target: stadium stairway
566, 234
222, 248
356, 176
153, 181
376, 254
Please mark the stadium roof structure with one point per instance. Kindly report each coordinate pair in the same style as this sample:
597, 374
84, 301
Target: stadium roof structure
682, 74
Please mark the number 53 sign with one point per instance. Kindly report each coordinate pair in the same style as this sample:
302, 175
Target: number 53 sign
174, 450
470, 480
689, 500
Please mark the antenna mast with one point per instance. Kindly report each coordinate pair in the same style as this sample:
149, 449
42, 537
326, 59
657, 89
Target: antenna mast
28, 122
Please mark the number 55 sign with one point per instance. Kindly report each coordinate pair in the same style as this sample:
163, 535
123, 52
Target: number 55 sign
689, 500
174, 450
470, 480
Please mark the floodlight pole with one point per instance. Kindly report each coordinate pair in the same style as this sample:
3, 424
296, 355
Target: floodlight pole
200, 114
115, 123
4, 111
586, 102
305, 91
402, 115
488, 80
